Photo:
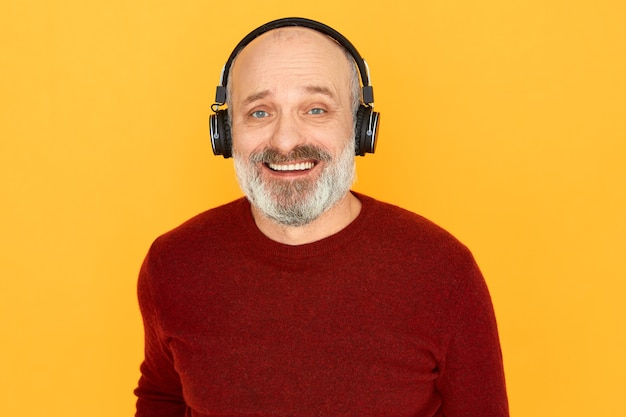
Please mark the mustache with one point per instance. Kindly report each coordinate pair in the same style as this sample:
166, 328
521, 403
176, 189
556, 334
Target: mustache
271, 155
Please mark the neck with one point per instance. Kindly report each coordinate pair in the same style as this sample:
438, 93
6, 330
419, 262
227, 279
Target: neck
327, 224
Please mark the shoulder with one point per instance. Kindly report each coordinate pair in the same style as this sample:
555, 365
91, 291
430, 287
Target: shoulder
198, 247
405, 240
422, 258
211, 228
397, 223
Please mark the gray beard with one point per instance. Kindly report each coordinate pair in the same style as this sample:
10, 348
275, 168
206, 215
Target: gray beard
296, 202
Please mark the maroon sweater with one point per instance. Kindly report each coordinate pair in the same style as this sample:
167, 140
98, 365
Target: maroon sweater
389, 317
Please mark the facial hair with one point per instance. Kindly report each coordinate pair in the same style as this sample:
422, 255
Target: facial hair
296, 202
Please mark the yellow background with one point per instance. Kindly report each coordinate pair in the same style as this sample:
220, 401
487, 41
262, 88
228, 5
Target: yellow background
503, 121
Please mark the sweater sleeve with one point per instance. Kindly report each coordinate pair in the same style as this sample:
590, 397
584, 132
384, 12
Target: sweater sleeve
472, 380
159, 392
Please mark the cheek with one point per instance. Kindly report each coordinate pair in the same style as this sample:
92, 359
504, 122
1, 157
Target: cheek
245, 140
340, 137
345, 125
334, 130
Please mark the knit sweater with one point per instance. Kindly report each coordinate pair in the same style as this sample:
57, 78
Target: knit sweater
388, 317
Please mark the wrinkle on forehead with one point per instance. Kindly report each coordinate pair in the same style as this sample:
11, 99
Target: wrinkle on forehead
313, 89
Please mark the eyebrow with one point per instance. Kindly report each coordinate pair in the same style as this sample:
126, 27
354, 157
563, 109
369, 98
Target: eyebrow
256, 96
320, 90
314, 89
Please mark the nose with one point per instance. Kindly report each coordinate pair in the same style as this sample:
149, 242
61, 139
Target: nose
287, 133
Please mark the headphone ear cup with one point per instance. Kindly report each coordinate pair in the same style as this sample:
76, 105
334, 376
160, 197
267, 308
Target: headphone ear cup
219, 129
228, 137
366, 130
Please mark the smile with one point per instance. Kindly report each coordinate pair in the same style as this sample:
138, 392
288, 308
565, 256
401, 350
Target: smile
301, 166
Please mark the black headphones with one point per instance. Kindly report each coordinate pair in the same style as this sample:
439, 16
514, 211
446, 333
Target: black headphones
366, 126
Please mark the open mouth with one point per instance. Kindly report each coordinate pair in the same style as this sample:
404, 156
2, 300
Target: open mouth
291, 167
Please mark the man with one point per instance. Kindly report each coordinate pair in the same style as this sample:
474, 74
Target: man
306, 299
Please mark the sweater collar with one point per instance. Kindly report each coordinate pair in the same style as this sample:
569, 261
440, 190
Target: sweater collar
257, 244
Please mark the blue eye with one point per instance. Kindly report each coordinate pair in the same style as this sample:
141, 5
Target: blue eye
259, 114
317, 110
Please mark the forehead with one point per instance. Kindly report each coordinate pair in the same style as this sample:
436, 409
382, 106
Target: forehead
291, 52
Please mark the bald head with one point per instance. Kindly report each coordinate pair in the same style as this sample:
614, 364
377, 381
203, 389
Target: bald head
293, 52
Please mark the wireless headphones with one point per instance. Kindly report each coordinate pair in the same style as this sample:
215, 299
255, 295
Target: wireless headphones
366, 124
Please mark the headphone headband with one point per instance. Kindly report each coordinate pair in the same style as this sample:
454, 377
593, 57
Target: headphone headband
368, 92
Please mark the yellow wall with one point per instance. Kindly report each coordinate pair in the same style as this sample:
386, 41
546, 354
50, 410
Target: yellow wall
504, 121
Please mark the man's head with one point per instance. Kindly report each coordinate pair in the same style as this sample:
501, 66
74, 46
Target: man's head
292, 113
366, 120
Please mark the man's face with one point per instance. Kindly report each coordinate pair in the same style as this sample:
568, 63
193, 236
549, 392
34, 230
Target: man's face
292, 124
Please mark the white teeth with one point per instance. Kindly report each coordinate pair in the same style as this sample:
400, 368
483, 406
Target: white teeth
302, 166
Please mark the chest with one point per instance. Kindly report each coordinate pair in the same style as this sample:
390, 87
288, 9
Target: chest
293, 341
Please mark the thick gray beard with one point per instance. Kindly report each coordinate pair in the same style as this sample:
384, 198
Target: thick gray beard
296, 202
